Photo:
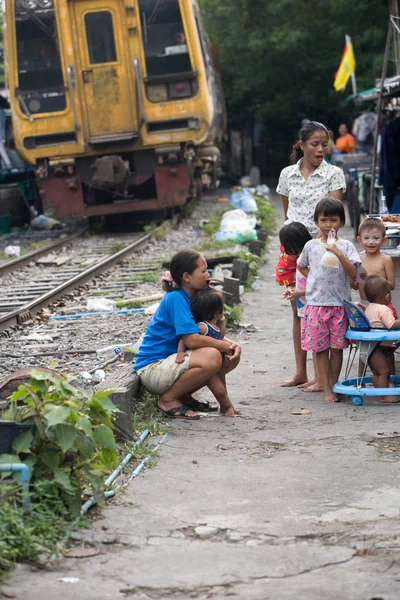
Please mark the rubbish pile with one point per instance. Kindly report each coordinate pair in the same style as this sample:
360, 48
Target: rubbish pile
239, 224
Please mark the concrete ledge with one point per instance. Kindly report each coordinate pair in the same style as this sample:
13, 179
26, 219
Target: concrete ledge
125, 386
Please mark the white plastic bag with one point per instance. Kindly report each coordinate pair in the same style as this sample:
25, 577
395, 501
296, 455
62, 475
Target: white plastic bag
329, 259
238, 227
244, 201
100, 304
12, 250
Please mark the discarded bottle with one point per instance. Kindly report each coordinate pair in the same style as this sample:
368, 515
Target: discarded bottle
383, 209
86, 377
114, 350
99, 375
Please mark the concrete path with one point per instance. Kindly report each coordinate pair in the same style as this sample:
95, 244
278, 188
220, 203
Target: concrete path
268, 505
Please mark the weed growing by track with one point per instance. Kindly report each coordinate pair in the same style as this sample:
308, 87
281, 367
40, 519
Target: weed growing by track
160, 232
31, 537
152, 277
233, 316
147, 416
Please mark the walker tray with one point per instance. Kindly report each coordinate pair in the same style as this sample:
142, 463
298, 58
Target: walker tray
353, 387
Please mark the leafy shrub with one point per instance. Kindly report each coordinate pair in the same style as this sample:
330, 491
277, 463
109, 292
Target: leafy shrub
71, 442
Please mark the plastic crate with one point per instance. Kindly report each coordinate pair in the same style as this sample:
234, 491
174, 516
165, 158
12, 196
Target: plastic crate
9, 430
5, 224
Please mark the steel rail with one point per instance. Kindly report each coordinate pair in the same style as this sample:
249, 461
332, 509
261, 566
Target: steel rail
21, 261
25, 313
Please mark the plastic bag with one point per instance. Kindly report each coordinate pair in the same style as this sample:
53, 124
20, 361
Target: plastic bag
12, 250
100, 304
329, 259
244, 201
263, 190
238, 227
44, 223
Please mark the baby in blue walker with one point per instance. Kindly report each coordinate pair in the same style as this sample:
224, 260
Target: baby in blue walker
380, 316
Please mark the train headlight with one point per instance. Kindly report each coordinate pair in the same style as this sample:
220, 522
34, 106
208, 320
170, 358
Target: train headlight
29, 4
34, 105
157, 92
45, 3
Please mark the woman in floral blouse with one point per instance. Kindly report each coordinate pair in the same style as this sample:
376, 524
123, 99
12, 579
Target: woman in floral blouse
301, 186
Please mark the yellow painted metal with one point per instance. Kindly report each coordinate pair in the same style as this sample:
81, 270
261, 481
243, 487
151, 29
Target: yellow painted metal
106, 95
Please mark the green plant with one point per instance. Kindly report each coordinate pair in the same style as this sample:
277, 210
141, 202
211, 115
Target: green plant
213, 244
152, 277
211, 226
71, 442
123, 304
254, 264
232, 316
34, 536
266, 214
147, 415
116, 247
161, 232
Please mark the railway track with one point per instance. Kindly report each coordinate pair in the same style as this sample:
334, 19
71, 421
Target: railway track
34, 281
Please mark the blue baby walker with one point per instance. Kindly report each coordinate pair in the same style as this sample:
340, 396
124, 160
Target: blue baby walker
363, 338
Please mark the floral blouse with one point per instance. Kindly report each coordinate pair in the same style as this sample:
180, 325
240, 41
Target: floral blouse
304, 194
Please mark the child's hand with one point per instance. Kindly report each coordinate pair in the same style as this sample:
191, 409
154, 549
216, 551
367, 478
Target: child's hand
293, 293
180, 357
334, 249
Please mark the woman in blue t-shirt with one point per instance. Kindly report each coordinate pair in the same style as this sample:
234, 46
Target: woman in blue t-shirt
156, 360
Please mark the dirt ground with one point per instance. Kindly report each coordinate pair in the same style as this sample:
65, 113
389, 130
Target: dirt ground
268, 505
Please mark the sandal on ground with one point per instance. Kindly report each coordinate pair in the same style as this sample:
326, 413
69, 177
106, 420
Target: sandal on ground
194, 404
179, 412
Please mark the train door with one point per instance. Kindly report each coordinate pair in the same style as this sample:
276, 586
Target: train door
107, 97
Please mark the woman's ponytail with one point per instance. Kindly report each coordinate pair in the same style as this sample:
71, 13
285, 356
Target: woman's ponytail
296, 153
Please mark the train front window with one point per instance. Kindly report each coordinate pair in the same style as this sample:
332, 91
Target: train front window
164, 38
100, 37
40, 79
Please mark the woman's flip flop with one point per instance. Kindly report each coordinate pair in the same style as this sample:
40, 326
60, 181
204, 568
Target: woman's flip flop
194, 404
179, 412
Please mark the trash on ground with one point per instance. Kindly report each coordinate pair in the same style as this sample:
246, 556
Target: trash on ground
39, 337
86, 377
263, 191
238, 227
302, 411
44, 223
68, 579
98, 304
12, 250
99, 375
244, 200
81, 553
114, 350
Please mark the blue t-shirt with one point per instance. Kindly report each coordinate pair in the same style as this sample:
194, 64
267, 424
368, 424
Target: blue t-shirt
172, 319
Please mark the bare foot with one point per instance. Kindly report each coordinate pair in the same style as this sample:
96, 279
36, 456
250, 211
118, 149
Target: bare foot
330, 397
307, 384
294, 381
229, 412
389, 399
315, 387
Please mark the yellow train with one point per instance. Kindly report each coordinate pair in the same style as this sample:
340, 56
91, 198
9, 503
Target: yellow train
116, 103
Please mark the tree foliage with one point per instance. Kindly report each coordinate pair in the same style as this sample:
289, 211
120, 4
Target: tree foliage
279, 58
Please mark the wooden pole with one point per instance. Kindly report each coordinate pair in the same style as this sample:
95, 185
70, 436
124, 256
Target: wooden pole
379, 111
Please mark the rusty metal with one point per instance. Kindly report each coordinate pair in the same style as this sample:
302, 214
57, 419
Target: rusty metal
29, 310
21, 261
